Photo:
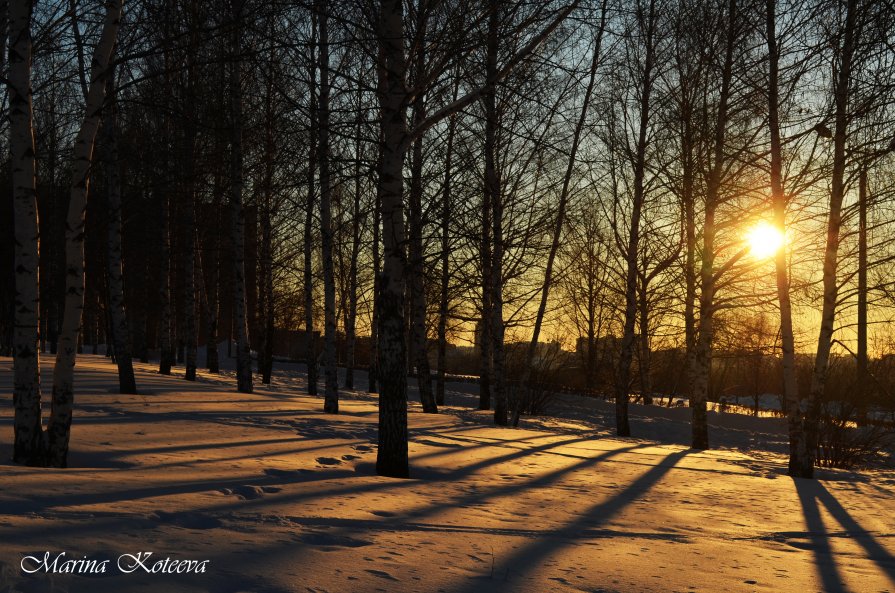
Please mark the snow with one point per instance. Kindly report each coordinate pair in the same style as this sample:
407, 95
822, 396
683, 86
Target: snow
278, 497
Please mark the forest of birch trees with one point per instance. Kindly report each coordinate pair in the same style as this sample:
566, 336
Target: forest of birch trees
538, 196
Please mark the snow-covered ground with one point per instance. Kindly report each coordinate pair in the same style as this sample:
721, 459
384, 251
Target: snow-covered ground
278, 496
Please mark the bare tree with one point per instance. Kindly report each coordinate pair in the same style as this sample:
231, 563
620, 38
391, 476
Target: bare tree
59, 428
418, 330
311, 353
646, 27
802, 462
331, 401
237, 212
779, 199
596, 57
29, 442
120, 333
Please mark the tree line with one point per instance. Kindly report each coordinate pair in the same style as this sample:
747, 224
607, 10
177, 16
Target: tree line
404, 177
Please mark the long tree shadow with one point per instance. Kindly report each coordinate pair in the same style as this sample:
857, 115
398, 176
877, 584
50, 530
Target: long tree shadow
207, 517
420, 519
811, 495
44, 503
533, 554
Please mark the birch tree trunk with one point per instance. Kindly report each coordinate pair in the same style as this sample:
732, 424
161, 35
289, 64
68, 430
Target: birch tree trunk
841, 97
166, 347
445, 258
495, 199
373, 368
702, 356
188, 249
418, 342
778, 197
631, 251
331, 382
59, 429
590, 378
688, 199
351, 321
484, 333
243, 355
120, 334
167, 355
311, 353
689, 81
191, 337
213, 288
29, 441
266, 300
391, 458
862, 374
644, 354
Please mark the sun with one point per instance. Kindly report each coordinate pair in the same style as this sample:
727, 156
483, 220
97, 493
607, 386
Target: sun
764, 240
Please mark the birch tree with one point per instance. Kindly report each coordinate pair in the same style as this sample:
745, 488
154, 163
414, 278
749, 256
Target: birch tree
237, 212
494, 204
721, 166
308, 272
120, 333
28, 446
396, 139
331, 393
645, 27
59, 428
780, 202
418, 331
845, 40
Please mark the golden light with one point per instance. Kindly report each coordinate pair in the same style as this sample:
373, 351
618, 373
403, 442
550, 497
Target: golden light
764, 240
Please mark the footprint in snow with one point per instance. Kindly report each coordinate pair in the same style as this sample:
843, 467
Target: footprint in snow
383, 513
249, 492
381, 574
325, 540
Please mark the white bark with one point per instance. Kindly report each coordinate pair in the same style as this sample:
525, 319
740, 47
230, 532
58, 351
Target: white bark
308, 273
59, 428
29, 445
778, 197
331, 384
700, 370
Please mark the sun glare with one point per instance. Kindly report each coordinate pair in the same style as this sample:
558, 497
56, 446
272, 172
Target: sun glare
764, 240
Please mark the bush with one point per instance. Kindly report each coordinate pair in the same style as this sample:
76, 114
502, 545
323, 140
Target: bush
843, 445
